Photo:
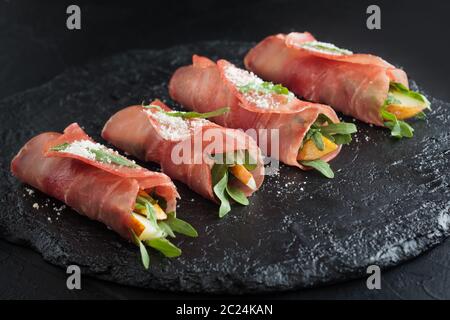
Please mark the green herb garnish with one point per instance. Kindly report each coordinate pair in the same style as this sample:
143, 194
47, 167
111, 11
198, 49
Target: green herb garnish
396, 86
339, 133
321, 166
164, 246
325, 47
166, 228
264, 87
191, 114
180, 226
143, 250
60, 147
101, 155
221, 177
399, 129
106, 156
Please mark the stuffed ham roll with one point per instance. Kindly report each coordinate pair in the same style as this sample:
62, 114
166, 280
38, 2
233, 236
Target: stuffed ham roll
99, 183
360, 85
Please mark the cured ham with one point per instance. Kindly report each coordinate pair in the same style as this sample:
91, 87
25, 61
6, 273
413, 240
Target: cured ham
360, 85
98, 182
188, 148
255, 104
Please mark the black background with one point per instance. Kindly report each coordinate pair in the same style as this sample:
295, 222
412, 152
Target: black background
35, 46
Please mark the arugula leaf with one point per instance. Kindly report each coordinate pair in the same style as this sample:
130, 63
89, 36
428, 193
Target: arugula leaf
318, 141
237, 195
220, 191
399, 129
180, 226
60, 147
321, 166
166, 228
108, 157
143, 250
421, 116
264, 87
191, 114
341, 139
164, 246
339, 128
396, 86
151, 214
325, 47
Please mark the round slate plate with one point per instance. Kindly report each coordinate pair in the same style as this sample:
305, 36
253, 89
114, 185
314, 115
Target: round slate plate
388, 203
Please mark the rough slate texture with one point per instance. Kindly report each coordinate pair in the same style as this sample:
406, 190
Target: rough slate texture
388, 203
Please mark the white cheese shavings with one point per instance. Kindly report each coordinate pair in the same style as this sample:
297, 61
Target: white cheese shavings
261, 99
240, 77
83, 148
176, 128
171, 128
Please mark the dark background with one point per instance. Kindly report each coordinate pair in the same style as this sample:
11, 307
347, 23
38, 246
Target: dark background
35, 46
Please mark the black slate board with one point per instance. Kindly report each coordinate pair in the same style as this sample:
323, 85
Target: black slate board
388, 203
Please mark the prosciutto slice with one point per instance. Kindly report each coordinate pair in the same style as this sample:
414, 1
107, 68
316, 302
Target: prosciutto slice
354, 84
150, 135
204, 86
101, 191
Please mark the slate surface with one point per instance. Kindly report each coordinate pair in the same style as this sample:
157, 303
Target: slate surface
387, 204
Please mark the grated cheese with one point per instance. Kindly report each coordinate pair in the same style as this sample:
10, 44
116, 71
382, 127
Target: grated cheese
263, 100
176, 128
83, 148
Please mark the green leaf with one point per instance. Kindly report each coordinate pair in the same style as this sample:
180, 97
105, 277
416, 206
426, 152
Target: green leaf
325, 47
220, 191
388, 116
218, 171
180, 226
399, 129
395, 86
339, 128
421, 116
60, 147
109, 157
264, 87
321, 119
318, 141
166, 228
143, 250
164, 246
151, 214
190, 114
406, 130
341, 139
237, 195
320, 166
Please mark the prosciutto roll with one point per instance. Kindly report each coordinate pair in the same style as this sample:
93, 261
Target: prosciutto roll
360, 85
218, 163
255, 104
101, 184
